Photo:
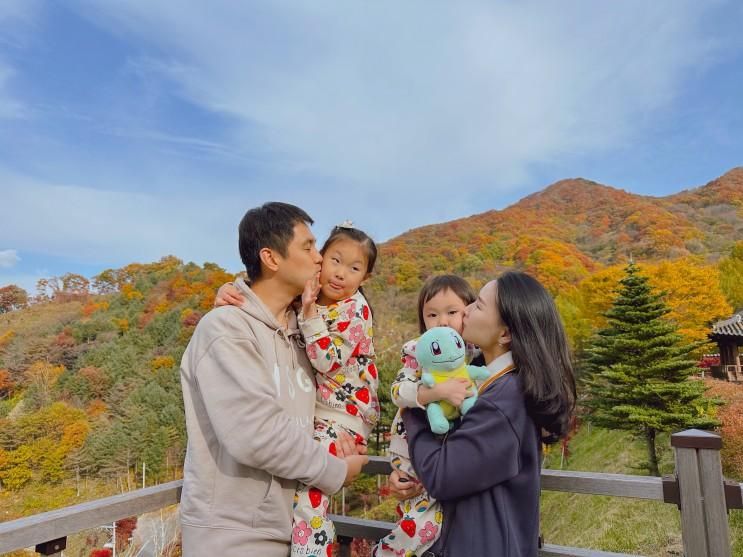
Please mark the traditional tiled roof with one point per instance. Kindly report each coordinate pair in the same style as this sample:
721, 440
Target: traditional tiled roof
729, 327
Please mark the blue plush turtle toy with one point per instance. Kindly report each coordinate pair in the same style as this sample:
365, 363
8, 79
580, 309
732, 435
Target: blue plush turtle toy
440, 352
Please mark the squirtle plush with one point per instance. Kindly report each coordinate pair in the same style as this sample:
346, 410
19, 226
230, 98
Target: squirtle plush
440, 352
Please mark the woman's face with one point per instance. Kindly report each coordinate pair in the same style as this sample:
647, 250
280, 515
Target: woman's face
482, 322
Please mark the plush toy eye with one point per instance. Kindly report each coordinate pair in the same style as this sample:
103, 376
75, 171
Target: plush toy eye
436, 349
457, 341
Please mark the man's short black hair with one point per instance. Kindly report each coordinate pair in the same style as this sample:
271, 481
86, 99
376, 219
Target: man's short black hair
269, 226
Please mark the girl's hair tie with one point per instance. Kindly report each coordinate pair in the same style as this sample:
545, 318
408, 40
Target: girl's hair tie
345, 224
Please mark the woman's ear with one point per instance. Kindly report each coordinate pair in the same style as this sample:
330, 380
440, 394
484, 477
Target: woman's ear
268, 258
505, 337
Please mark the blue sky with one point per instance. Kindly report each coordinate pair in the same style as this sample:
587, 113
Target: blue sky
134, 129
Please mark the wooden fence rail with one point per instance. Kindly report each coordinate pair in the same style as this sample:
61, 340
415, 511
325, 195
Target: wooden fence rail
697, 487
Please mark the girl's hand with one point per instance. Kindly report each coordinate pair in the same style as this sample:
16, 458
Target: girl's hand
346, 445
404, 486
309, 297
453, 390
353, 453
228, 294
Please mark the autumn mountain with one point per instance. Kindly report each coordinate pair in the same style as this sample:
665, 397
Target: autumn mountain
569, 230
89, 381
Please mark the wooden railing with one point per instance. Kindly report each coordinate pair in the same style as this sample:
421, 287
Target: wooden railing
734, 372
697, 488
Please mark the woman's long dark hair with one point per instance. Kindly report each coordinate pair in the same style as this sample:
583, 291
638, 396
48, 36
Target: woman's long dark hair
540, 352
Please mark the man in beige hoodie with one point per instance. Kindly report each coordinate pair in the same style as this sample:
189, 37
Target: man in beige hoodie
248, 392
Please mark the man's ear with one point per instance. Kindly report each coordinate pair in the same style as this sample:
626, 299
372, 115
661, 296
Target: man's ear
269, 259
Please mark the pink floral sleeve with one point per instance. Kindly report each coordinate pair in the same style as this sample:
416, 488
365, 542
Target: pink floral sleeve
404, 391
338, 334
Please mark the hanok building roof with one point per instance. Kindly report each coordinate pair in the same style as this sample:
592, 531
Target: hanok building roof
732, 327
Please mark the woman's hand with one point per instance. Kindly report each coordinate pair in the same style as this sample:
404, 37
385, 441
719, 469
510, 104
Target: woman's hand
403, 486
309, 297
453, 390
228, 295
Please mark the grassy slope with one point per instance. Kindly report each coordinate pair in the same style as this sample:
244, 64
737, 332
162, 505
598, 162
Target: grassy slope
611, 523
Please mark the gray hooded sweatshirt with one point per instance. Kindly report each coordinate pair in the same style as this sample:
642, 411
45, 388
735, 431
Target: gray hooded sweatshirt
249, 395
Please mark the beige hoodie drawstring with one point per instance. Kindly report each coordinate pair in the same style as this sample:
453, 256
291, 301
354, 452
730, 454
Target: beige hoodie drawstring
287, 339
275, 348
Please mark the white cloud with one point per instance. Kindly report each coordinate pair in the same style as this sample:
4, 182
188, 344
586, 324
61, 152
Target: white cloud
88, 225
393, 115
8, 258
421, 95
81, 224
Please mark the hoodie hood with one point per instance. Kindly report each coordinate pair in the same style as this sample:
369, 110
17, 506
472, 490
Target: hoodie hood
255, 307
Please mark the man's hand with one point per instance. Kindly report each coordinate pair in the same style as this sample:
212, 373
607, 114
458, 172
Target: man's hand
453, 390
355, 463
404, 486
228, 294
309, 297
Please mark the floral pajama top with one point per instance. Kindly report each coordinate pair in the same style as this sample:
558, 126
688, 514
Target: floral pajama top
340, 348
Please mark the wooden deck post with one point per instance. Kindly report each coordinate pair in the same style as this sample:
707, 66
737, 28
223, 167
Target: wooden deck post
704, 519
344, 546
52, 548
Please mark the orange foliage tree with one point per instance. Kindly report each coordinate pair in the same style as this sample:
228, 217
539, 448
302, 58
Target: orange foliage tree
12, 297
41, 378
582, 308
6, 383
730, 415
731, 276
692, 293
40, 443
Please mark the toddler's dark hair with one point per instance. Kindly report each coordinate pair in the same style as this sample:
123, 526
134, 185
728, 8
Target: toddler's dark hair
441, 283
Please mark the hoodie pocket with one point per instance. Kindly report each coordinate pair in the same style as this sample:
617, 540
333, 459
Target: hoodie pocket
273, 514
238, 492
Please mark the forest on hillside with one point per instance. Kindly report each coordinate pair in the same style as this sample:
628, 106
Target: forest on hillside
89, 380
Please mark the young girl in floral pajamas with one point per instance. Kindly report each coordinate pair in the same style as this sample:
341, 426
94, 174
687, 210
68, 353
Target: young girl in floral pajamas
441, 303
338, 334
336, 323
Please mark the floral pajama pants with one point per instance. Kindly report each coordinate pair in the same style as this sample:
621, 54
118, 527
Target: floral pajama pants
312, 532
419, 524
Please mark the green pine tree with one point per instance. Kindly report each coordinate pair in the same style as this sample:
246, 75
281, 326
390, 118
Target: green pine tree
638, 370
